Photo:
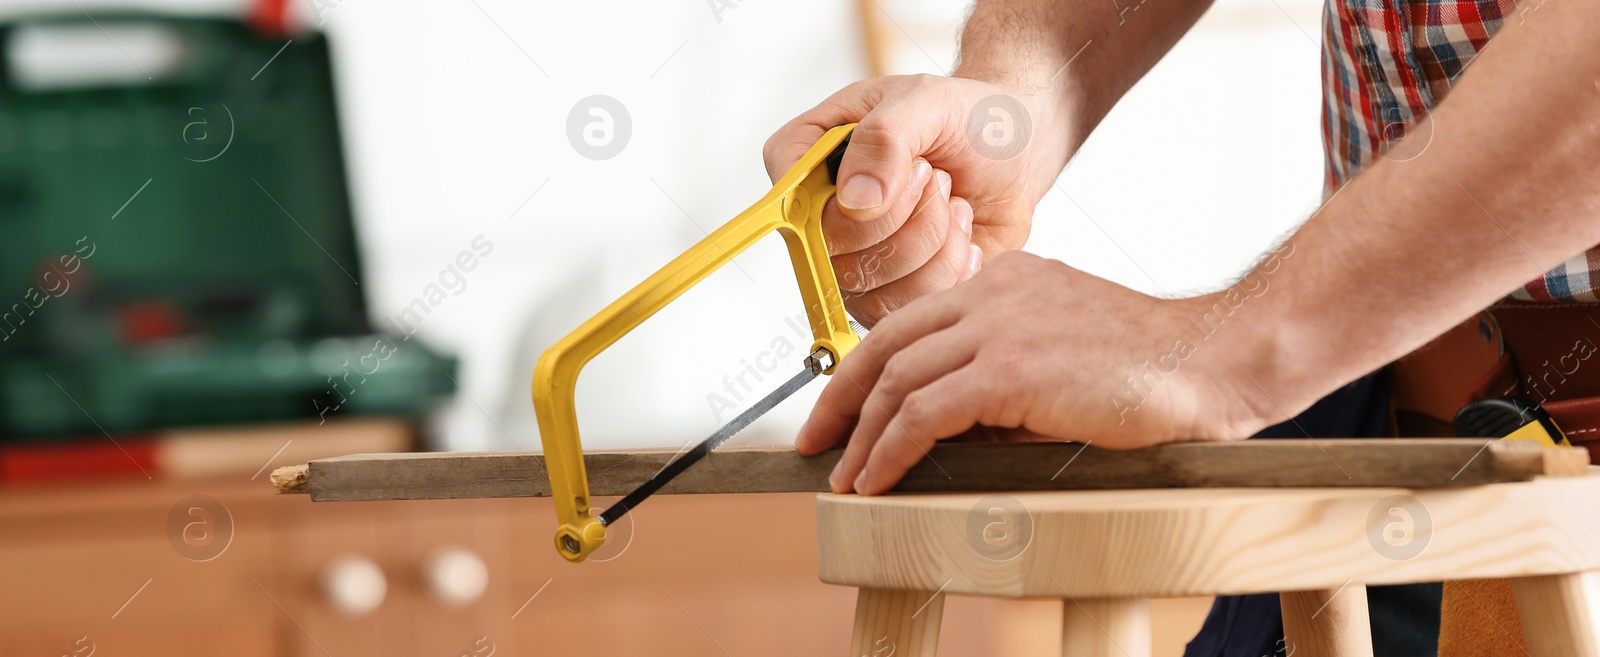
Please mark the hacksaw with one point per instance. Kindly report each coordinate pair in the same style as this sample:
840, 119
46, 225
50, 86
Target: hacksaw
793, 208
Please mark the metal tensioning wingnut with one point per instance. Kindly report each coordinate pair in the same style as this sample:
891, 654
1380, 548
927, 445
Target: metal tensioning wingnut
819, 361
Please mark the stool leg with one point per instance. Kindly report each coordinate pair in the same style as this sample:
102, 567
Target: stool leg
1105, 628
899, 623
1327, 623
1559, 614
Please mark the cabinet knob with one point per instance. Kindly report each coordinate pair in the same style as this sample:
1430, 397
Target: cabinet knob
354, 585
456, 576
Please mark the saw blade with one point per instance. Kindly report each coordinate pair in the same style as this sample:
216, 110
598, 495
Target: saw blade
814, 367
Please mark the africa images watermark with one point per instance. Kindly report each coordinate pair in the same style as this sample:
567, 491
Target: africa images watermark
999, 127
754, 370
200, 527
1540, 388
481, 647
1399, 527
999, 527
55, 280
1139, 387
452, 282
451, 279
599, 127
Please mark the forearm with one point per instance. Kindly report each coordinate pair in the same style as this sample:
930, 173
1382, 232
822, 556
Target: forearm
1027, 45
1505, 190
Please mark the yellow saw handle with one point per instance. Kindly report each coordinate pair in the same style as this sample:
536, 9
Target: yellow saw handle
794, 209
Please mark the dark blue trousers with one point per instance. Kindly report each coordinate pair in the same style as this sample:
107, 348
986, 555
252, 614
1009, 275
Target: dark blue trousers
1405, 618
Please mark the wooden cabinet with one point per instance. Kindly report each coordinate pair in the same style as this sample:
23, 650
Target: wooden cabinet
402, 540
91, 569
103, 567
94, 568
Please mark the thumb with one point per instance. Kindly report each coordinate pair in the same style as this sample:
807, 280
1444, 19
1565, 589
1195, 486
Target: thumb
877, 167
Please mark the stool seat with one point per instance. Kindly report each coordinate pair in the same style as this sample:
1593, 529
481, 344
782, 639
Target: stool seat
1117, 549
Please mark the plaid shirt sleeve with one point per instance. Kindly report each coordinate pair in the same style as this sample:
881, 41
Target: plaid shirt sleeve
1385, 63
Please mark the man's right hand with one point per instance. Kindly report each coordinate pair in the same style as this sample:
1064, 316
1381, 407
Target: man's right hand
940, 173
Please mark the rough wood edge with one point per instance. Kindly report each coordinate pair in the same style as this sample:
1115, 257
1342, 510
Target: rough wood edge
1565, 462
291, 479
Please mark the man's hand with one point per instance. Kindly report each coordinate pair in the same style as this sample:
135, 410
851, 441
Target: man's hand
1036, 345
919, 202
944, 172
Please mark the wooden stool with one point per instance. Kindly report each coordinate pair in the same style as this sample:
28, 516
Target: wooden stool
1106, 553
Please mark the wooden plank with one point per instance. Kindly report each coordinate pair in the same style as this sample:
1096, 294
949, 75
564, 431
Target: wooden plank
954, 467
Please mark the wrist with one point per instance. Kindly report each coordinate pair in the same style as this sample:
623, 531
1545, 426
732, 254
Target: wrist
1248, 371
1053, 134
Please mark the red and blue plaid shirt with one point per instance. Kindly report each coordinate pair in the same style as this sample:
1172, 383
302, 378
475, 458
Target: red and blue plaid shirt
1385, 63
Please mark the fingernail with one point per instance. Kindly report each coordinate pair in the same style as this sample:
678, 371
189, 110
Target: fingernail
919, 175
861, 192
974, 258
963, 213
833, 479
944, 185
861, 482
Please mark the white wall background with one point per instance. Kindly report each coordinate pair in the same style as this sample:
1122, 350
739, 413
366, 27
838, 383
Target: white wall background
455, 117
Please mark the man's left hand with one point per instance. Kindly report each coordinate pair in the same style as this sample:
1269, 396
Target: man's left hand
1034, 345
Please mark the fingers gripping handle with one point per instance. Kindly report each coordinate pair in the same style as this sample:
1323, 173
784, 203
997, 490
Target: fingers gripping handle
794, 209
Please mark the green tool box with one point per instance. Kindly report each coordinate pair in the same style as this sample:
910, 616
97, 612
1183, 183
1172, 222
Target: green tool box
176, 240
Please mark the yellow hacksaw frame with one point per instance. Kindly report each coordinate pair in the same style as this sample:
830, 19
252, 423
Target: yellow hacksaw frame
794, 209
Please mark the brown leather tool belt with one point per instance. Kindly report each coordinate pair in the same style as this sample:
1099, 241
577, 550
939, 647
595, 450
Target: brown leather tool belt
1543, 352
